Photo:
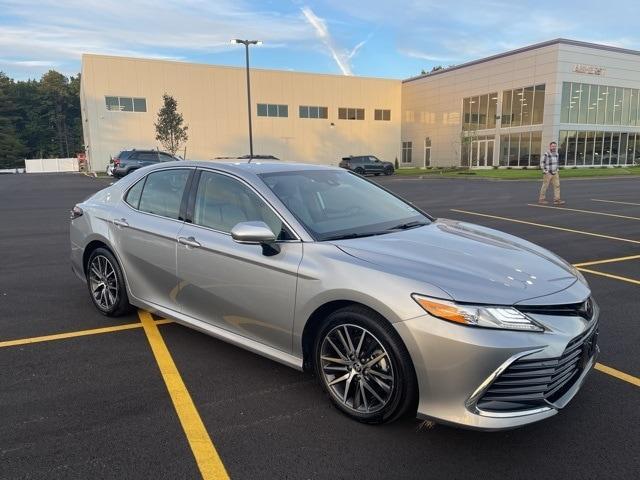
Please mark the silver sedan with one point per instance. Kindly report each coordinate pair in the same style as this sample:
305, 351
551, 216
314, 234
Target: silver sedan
318, 268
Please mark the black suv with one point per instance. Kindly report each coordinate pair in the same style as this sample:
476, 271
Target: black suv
129, 160
364, 164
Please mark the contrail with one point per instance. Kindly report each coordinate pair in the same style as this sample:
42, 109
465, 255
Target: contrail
323, 33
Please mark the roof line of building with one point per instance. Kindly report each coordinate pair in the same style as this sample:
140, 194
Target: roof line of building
233, 67
535, 46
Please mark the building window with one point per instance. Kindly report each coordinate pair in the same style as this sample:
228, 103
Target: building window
407, 148
598, 148
272, 110
477, 150
479, 113
523, 106
350, 113
126, 104
521, 149
583, 103
313, 112
382, 115
427, 152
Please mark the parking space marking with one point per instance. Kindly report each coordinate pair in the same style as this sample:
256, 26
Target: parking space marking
614, 201
608, 260
79, 333
206, 456
515, 220
584, 211
609, 275
618, 374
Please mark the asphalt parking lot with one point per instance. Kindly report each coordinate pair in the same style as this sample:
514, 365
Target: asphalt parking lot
95, 404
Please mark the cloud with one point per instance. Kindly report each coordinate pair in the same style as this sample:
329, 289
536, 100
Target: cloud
172, 29
342, 57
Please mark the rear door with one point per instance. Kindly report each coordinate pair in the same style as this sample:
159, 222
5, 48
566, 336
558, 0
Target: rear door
147, 158
237, 287
144, 233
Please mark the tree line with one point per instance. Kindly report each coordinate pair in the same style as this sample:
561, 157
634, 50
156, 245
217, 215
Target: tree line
39, 118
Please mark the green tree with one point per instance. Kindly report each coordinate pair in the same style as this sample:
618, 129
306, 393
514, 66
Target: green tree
11, 148
169, 129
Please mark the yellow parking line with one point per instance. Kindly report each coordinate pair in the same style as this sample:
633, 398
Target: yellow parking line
614, 201
79, 333
584, 211
608, 275
206, 456
591, 234
618, 374
608, 260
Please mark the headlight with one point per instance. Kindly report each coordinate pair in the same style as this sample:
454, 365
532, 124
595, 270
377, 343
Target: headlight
506, 318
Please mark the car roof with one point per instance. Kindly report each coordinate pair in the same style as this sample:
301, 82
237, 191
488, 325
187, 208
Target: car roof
253, 167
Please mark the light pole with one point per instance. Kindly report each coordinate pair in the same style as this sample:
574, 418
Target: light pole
246, 44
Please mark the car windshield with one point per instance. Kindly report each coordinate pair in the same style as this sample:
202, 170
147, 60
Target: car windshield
335, 204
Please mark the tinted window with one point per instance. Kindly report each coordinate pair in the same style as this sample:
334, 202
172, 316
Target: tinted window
332, 204
126, 104
222, 202
147, 157
133, 195
162, 193
112, 103
166, 158
139, 104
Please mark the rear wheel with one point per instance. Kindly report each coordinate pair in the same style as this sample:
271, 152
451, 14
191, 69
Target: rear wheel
106, 284
364, 366
359, 171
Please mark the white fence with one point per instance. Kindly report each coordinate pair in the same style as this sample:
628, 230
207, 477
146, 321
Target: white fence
46, 165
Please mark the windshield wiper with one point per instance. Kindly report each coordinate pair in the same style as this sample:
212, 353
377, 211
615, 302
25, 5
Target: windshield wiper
408, 225
353, 235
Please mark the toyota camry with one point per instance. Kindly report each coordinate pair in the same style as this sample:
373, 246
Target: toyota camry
397, 312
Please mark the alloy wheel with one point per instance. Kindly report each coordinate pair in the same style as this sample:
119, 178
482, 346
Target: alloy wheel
103, 282
357, 369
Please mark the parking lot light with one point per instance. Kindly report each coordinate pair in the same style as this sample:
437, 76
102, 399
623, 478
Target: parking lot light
246, 44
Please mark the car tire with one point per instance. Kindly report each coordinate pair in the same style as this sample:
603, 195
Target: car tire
376, 174
105, 282
388, 171
370, 377
359, 171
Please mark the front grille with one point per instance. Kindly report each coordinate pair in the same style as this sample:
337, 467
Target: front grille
584, 309
528, 384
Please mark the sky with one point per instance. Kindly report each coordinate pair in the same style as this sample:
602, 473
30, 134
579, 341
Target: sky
376, 38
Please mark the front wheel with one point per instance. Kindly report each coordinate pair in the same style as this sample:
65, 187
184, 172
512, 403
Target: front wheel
388, 171
106, 284
365, 368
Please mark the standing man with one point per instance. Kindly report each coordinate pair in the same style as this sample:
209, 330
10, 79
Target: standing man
549, 166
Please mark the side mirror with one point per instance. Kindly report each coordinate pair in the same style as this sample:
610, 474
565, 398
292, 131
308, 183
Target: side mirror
253, 233
256, 233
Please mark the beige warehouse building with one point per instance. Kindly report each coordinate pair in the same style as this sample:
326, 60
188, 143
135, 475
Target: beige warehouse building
296, 116
498, 111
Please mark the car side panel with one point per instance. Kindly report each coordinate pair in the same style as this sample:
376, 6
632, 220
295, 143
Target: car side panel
237, 287
147, 248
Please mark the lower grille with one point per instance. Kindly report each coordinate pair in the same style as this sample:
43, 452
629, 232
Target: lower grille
528, 384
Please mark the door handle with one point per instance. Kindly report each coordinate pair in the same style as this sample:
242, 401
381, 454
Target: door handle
121, 223
189, 242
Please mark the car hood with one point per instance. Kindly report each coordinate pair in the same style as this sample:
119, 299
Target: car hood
471, 263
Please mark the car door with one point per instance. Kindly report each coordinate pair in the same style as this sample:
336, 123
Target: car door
375, 165
237, 287
147, 158
144, 231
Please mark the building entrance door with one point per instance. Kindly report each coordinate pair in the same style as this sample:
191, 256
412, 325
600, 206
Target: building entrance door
482, 153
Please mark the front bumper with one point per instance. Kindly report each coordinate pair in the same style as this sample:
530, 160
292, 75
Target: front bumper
456, 365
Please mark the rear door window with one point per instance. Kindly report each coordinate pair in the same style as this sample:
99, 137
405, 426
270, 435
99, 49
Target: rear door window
133, 195
163, 191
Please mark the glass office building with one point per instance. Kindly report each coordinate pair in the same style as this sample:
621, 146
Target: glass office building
504, 110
